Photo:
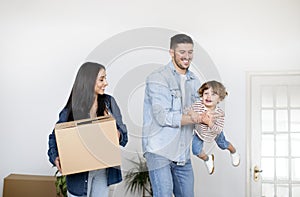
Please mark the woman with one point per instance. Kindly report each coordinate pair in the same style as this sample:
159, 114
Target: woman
88, 100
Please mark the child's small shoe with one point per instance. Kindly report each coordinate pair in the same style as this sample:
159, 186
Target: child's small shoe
210, 164
235, 158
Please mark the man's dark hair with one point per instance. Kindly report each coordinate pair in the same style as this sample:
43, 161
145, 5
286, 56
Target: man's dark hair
179, 39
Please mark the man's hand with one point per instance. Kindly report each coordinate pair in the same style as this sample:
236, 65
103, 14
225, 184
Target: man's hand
196, 117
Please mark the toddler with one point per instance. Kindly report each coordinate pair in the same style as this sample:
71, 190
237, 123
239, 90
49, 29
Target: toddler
211, 93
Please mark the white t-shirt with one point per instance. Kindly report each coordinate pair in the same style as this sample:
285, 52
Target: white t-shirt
182, 87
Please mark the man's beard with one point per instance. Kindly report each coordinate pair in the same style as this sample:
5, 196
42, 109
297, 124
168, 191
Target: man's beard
179, 65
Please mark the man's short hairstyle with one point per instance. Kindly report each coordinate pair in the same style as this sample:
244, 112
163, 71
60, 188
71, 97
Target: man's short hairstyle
179, 39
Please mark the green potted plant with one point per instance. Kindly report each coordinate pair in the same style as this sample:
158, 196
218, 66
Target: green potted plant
137, 179
61, 185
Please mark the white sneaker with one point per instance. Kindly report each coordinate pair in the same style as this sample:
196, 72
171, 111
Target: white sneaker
235, 158
210, 164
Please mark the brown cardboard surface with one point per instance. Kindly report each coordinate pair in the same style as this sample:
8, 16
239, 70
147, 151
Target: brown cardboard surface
20, 185
88, 144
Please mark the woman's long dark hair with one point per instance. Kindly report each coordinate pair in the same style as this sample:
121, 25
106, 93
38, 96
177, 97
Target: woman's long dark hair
82, 98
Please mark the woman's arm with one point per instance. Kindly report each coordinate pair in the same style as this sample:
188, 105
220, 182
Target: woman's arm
52, 150
115, 110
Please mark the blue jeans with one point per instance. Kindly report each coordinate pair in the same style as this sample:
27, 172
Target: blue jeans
167, 177
97, 184
197, 144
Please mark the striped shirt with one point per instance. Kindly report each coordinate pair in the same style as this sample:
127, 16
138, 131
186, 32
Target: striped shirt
202, 130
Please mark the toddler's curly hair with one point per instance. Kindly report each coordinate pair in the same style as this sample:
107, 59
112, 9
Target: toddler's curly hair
217, 87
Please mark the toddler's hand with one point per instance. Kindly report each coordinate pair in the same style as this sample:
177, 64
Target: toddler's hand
205, 118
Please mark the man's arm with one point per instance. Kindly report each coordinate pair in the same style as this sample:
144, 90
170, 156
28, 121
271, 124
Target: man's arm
193, 117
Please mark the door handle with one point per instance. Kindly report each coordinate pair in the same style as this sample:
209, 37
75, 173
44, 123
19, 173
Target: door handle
256, 173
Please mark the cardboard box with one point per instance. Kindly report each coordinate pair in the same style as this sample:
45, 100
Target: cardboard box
20, 185
88, 144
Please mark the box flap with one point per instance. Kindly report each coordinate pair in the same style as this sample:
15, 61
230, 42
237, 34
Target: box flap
71, 124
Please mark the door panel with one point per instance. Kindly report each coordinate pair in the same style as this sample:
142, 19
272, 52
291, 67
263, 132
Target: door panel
274, 134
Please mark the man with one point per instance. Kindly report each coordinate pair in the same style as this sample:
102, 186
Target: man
167, 127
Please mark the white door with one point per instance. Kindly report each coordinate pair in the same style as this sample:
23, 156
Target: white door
273, 134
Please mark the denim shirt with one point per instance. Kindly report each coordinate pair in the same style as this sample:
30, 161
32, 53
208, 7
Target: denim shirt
163, 108
77, 183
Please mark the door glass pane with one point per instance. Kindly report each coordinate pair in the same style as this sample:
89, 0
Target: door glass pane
282, 120
295, 120
267, 165
282, 191
295, 144
295, 169
281, 96
282, 145
296, 190
267, 145
267, 121
294, 96
282, 169
267, 190
267, 96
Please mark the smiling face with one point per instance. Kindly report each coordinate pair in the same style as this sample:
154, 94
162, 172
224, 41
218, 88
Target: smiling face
182, 57
101, 82
210, 99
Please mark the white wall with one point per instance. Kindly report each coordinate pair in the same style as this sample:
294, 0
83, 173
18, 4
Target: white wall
42, 44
